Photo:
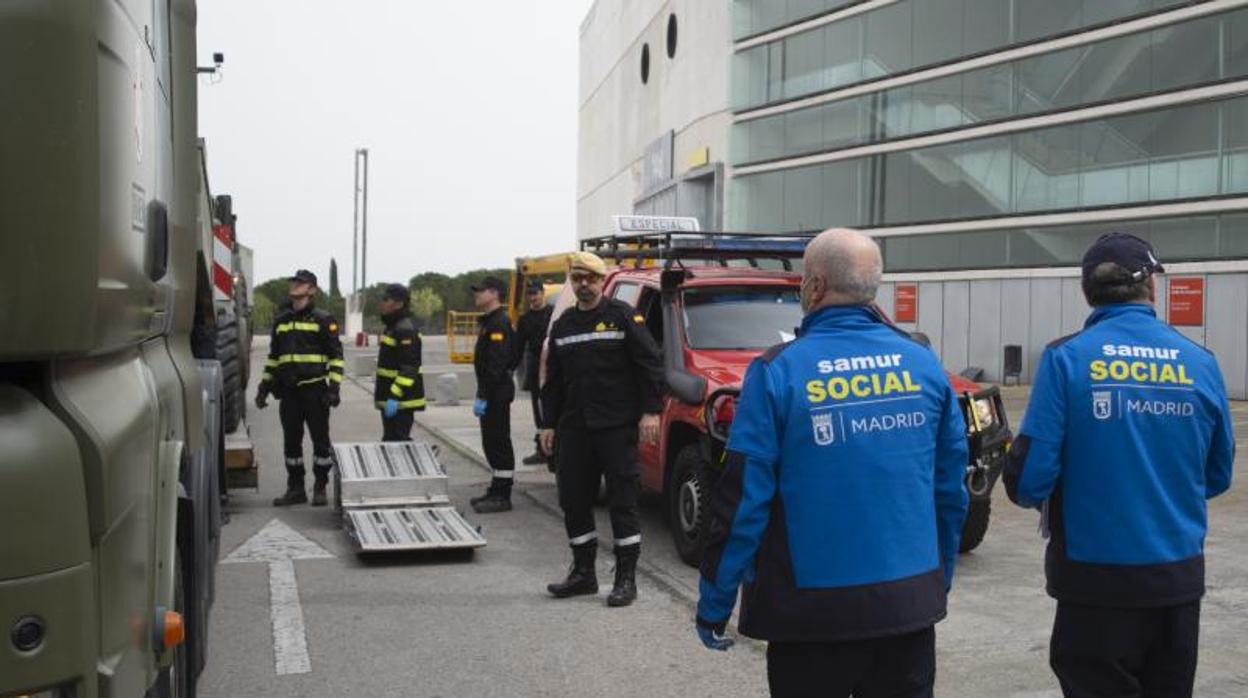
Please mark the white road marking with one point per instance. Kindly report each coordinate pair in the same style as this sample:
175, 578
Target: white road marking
280, 545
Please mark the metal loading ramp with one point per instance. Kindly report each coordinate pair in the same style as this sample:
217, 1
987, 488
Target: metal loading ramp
393, 497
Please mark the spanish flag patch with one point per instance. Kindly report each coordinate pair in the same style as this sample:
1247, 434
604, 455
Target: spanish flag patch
639, 319
496, 336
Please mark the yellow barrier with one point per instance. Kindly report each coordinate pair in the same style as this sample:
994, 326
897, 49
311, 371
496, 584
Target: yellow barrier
461, 335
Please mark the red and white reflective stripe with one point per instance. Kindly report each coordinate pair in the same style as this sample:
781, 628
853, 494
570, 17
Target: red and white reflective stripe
222, 260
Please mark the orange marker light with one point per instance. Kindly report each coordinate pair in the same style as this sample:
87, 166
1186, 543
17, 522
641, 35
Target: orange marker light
175, 629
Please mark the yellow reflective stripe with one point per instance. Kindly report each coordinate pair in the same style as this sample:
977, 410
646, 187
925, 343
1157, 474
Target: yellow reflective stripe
406, 404
339, 363
335, 377
302, 359
310, 381
388, 341
404, 381
298, 326
387, 372
271, 363
396, 391
266, 376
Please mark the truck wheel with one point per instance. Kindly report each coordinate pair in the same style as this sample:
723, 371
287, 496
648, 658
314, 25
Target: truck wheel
231, 371
976, 524
175, 680
688, 499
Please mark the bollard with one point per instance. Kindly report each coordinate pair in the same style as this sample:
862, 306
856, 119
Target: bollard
446, 390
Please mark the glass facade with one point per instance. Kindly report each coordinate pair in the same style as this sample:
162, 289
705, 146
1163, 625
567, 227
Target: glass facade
1185, 151
906, 36
1202, 51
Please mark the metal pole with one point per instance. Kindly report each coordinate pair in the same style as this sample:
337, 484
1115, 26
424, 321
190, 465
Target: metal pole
355, 226
364, 227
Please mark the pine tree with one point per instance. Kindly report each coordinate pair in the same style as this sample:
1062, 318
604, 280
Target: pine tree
333, 279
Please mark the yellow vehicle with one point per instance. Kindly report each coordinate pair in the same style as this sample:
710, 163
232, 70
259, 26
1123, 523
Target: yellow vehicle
461, 327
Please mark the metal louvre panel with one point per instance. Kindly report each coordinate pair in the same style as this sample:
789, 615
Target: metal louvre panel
411, 528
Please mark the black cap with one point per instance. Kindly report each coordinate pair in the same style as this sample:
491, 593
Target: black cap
304, 276
535, 286
396, 292
1127, 251
491, 282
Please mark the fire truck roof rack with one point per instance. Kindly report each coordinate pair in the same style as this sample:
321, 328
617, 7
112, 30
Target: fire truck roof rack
673, 247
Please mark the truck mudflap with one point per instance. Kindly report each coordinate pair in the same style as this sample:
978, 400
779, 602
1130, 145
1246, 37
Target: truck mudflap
394, 497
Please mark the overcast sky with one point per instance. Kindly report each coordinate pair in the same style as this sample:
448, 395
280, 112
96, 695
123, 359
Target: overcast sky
468, 109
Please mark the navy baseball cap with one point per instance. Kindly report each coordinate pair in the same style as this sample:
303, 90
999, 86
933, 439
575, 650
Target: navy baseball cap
535, 287
1127, 251
396, 292
304, 276
491, 282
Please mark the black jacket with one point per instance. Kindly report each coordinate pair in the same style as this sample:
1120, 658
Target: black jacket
531, 332
494, 357
603, 369
398, 364
304, 349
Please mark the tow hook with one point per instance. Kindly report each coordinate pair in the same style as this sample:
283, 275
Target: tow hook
978, 482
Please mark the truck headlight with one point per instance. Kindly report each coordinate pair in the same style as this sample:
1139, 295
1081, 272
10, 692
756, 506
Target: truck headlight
984, 412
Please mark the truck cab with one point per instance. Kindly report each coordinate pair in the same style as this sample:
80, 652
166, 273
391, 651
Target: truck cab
714, 302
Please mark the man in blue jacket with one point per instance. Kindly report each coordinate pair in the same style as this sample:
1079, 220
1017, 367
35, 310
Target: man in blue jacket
842, 499
1128, 432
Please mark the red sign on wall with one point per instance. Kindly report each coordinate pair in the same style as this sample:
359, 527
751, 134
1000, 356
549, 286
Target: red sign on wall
906, 303
1187, 301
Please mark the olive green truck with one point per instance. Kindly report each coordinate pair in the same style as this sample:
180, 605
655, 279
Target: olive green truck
111, 389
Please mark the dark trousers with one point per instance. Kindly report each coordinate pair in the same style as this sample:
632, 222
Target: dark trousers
496, 441
535, 397
1125, 652
901, 666
585, 456
398, 427
306, 405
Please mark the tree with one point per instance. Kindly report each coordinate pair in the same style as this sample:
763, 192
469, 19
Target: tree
425, 304
262, 312
333, 279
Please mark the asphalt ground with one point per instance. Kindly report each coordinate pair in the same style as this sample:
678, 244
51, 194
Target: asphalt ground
481, 625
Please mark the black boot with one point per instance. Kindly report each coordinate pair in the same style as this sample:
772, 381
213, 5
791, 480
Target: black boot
582, 578
319, 483
489, 493
624, 592
295, 494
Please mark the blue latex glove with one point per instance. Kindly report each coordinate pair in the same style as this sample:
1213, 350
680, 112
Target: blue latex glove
391, 408
478, 408
712, 635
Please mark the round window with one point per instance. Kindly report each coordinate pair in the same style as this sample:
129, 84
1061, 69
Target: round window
671, 36
645, 63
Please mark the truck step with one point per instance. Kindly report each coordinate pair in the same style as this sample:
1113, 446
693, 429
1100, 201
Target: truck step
241, 467
410, 528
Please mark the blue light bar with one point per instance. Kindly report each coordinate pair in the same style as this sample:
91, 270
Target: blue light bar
769, 245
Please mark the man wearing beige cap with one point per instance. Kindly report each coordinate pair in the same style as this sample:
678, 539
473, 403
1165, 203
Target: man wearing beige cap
604, 390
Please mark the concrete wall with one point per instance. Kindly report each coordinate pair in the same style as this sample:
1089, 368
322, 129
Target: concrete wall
620, 116
971, 321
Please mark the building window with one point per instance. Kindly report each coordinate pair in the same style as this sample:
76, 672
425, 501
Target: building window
671, 36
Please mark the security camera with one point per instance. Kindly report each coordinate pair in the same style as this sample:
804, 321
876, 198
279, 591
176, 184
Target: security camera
218, 58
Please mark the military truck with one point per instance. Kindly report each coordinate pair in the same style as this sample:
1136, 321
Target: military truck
110, 392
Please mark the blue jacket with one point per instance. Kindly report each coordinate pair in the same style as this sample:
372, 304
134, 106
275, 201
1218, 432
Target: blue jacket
1128, 432
842, 500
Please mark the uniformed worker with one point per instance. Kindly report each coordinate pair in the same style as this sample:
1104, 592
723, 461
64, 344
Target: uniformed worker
493, 360
304, 372
531, 335
604, 389
1127, 433
399, 391
842, 500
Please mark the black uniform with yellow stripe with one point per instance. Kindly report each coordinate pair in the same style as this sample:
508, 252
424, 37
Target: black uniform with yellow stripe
399, 374
304, 370
493, 360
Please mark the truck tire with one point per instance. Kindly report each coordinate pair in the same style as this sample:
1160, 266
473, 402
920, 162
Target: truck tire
976, 524
231, 371
175, 681
688, 502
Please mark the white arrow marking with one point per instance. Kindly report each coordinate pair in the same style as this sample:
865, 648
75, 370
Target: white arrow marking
280, 545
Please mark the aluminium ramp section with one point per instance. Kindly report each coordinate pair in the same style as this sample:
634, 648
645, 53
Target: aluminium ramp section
394, 497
